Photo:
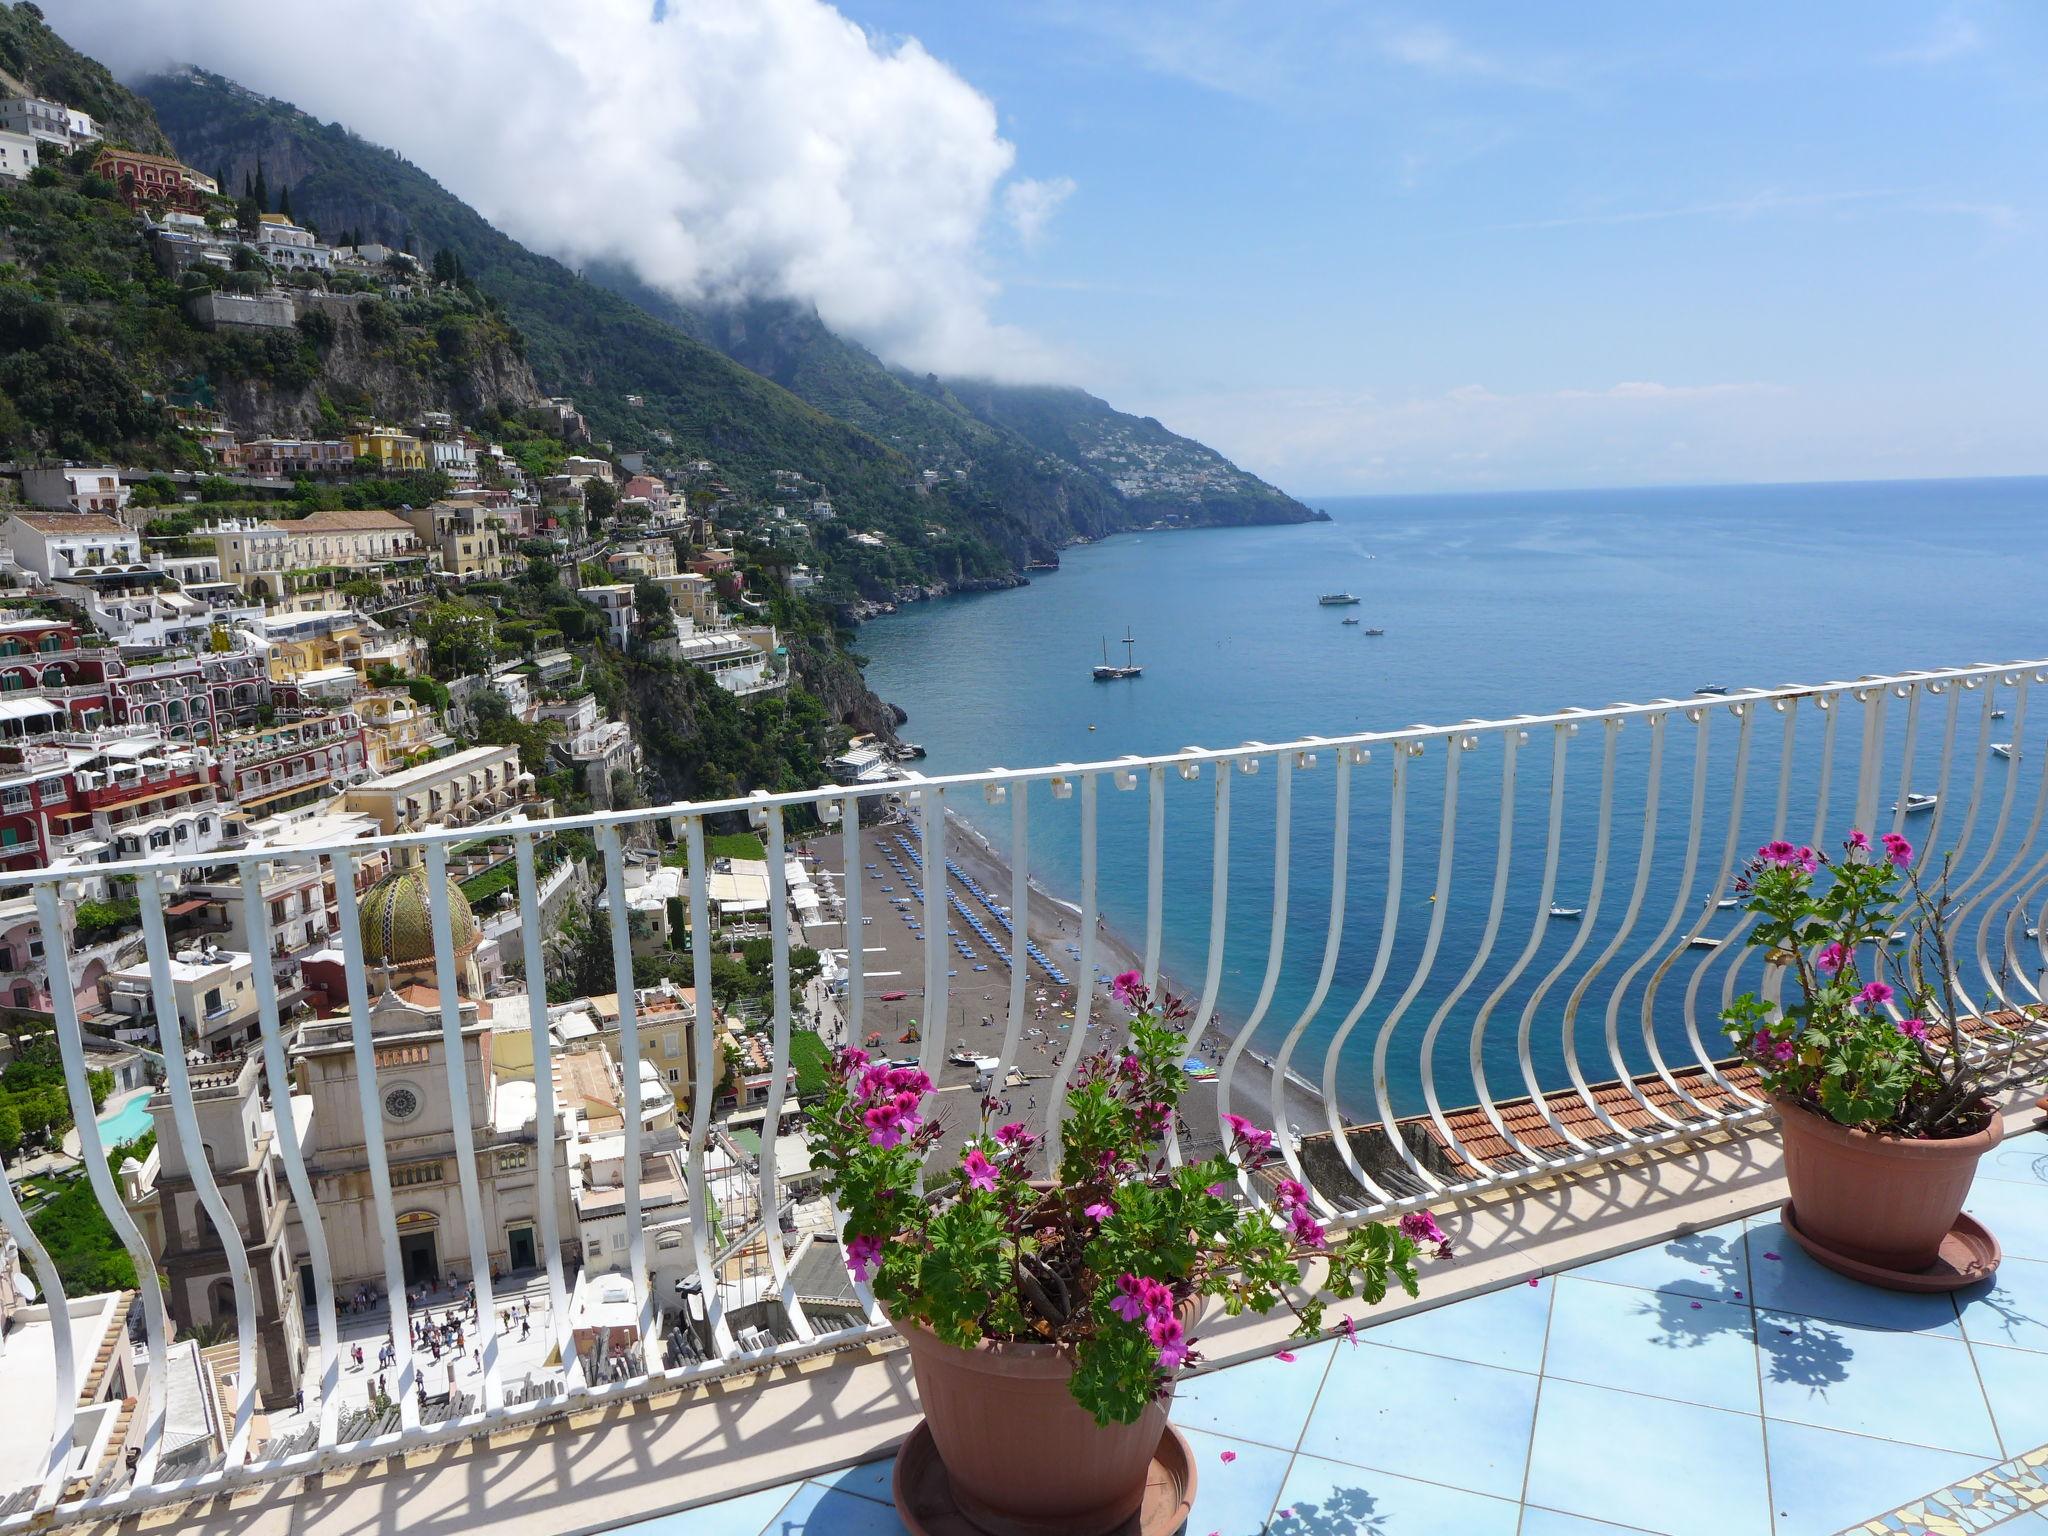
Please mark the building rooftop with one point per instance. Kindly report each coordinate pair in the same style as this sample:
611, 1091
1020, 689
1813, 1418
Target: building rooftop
343, 521
73, 522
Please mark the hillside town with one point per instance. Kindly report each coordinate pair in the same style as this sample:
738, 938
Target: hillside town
299, 643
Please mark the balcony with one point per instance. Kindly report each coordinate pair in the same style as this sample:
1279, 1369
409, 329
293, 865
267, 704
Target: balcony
1475, 968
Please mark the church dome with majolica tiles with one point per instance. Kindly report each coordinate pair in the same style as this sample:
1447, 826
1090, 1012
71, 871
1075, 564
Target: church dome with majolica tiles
398, 923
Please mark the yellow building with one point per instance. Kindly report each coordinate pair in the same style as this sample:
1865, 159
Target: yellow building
320, 640
397, 728
392, 449
477, 785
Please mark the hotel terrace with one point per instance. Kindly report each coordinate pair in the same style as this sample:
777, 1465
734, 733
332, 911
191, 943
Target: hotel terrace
1527, 1045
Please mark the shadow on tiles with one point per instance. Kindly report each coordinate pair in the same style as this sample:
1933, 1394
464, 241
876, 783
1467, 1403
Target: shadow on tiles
1340, 1512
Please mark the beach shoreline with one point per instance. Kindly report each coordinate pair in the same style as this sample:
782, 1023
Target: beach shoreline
893, 962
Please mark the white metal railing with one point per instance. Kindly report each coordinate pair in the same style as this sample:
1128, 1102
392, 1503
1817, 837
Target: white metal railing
1485, 952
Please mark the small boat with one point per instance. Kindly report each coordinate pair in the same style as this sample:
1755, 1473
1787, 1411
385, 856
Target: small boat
1702, 941
1108, 672
2033, 933
1715, 689
1998, 714
1375, 631
2002, 749
1728, 903
1897, 936
1339, 600
1917, 801
1567, 914
1351, 621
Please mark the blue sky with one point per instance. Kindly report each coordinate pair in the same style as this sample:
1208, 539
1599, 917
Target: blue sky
1367, 247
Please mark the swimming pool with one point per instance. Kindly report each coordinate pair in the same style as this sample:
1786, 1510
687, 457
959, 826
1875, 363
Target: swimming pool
127, 1122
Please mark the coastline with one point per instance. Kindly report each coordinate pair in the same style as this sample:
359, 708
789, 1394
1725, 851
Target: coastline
1254, 1066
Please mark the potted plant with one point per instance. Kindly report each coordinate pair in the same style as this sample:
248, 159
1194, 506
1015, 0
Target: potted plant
1048, 1318
1886, 1101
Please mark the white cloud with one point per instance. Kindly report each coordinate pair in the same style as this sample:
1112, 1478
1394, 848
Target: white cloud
1029, 204
719, 148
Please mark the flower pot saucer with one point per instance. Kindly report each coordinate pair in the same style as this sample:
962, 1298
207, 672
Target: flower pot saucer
1968, 1254
924, 1499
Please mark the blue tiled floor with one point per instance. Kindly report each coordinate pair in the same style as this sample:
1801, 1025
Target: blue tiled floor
1719, 1383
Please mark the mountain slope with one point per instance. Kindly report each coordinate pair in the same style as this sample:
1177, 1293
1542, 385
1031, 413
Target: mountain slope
1157, 474
38, 58
588, 342
1064, 461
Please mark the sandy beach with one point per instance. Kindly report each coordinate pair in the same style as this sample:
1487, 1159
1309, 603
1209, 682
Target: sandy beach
894, 962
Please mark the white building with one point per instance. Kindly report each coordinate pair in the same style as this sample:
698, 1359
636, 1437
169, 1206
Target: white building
71, 488
58, 546
616, 599
18, 155
284, 245
216, 997
48, 122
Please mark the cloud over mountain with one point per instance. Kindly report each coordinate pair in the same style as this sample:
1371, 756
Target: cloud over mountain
720, 148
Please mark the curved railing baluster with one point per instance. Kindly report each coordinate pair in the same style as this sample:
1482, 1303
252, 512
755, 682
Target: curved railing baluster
1582, 933
1439, 905
546, 1114
1390, 919
455, 1062
1219, 911
1646, 855
1276, 944
369, 1104
256, 923
1706, 1060
779, 1057
92, 1152
50, 1485
1084, 981
178, 1085
1701, 720
1340, 851
719, 1341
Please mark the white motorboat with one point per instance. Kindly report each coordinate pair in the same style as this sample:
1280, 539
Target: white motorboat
1916, 801
1567, 914
2002, 749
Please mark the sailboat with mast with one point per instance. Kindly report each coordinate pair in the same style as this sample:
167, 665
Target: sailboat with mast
1109, 672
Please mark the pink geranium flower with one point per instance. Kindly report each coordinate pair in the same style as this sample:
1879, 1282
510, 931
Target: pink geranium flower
862, 1254
1129, 989
1098, 1213
1858, 841
1897, 849
1831, 959
1876, 995
1913, 1029
980, 1172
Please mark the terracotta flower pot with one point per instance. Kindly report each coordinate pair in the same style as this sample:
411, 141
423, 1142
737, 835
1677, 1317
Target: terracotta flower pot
1885, 1201
1022, 1457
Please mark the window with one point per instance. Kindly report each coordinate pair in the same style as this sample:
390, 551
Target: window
675, 1074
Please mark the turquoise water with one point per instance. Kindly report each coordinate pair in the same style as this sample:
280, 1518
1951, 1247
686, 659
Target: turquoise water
1493, 605
126, 1123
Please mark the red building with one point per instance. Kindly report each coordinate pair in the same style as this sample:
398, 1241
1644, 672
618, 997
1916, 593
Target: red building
150, 179
43, 657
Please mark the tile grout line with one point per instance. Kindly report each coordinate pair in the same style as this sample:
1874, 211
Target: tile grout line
1977, 1375
769, 1523
1536, 1408
1756, 1356
1287, 1472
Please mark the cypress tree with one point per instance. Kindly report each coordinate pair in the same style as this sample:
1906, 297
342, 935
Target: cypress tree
284, 201
262, 190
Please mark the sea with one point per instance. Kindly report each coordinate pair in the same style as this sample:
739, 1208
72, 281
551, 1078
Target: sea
1492, 605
